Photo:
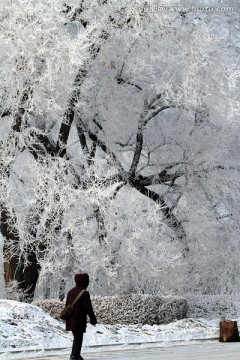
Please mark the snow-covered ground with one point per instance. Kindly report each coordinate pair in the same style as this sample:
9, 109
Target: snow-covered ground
25, 328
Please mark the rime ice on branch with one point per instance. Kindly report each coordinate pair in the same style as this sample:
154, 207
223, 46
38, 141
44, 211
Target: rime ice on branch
120, 147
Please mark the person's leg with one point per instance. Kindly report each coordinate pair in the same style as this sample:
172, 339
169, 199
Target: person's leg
77, 345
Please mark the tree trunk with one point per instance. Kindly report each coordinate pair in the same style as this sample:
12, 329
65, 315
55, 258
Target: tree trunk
13, 267
28, 277
62, 289
2, 282
8, 233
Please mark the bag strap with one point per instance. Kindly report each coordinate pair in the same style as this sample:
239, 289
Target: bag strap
78, 297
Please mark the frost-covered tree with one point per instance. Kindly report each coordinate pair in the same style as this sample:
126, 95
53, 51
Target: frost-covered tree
121, 149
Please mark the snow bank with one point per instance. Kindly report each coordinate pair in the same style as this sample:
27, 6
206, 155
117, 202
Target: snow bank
25, 327
27, 331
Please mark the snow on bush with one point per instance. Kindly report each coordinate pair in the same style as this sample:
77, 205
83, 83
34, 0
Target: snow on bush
139, 309
213, 306
129, 309
52, 307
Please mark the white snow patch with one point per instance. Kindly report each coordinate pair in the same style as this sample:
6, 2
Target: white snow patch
25, 327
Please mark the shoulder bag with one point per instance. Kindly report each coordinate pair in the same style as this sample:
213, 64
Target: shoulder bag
67, 312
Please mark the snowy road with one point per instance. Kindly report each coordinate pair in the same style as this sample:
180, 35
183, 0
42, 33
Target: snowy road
204, 351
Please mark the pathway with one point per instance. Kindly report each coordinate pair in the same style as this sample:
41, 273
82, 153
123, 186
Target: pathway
203, 351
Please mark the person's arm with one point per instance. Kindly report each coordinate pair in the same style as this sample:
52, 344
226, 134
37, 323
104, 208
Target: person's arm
88, 306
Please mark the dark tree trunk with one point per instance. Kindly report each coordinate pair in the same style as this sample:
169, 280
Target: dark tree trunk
26, 277
62, 289
9, 233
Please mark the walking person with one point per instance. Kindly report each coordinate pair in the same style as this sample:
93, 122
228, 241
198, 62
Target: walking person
78, 321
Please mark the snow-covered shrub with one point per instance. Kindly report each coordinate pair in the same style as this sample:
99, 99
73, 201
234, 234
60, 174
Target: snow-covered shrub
213, 306
147, 309
52, 306
128, 309
139, 309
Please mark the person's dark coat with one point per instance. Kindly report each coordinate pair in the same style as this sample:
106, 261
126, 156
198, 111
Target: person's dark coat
82, 308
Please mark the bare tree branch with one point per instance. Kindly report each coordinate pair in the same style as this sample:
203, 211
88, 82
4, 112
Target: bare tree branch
6, 112
159, 178
144, 119
105, 149
170, 219
121, 80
